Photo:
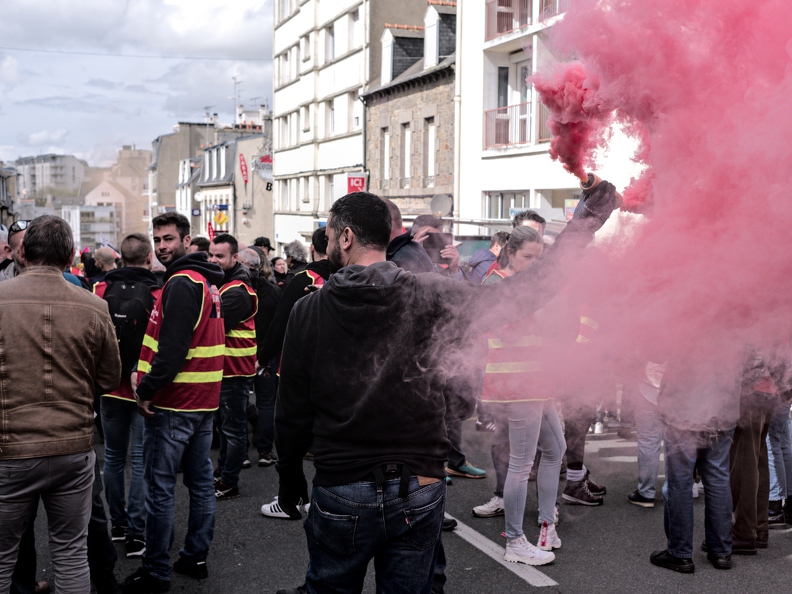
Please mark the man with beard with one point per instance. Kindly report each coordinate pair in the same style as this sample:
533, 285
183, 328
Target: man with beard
180, 370
365, 361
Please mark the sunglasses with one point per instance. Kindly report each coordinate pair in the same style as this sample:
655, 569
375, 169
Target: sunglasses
17, 227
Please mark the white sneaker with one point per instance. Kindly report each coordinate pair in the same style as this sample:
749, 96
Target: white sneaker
493, 507
695, 491
700, 486
548, 538
520, 550
599, 428
274, 510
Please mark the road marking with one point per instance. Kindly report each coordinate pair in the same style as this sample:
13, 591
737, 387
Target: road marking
530, 574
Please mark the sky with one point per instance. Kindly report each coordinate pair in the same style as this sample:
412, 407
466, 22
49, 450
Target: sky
90, 105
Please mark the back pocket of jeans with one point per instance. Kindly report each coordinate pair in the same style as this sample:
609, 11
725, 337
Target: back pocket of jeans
425, 524
334, 532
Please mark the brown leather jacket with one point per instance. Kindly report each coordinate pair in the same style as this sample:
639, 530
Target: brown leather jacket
58, 349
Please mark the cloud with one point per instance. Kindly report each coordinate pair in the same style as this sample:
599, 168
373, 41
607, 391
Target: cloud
9, 71
102, 83
44, 137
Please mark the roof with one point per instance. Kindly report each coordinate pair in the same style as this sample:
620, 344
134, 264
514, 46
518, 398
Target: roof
414, 72
444, 6
405, 30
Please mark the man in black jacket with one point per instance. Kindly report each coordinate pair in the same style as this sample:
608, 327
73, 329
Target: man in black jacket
240, 304
364, 363
316, 273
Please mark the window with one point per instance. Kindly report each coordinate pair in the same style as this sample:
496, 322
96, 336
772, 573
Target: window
503, 86
222, 161
354, 34
306, 48
285, 68
387, 61
330, 43
284, 194
206, 165
330, 191
406, 153
306, 197
214, 163
284, 9
296, 62
330, 117
354, 112
305, 116
430, 142
386, 140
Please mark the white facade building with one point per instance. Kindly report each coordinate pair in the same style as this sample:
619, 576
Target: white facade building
502, 162
324, 54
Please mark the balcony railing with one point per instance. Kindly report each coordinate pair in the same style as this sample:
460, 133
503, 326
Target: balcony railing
505, 16
544, 134
551, 8
507, 126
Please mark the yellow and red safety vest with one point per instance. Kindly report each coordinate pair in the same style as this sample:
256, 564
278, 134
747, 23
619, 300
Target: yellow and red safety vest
197, 385
514, 364
240, 342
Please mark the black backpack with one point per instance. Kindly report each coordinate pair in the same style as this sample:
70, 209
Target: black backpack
130, 305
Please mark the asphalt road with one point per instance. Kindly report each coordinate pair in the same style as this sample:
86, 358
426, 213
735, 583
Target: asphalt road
605, 549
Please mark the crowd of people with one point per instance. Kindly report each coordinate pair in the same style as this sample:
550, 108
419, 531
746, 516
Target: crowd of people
364, 353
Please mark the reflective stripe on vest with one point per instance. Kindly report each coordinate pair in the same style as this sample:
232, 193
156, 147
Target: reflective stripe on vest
316, 279
588, 326
513, 371
496, 271
240, 342
197, 385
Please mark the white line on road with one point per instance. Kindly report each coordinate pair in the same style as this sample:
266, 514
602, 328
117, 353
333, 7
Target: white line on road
485, 545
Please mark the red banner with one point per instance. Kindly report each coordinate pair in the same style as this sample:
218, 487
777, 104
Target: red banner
210, 230
243, 167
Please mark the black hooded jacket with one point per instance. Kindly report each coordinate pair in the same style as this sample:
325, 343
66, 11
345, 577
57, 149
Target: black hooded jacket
271, 345
181, 308
132, 274
236, 302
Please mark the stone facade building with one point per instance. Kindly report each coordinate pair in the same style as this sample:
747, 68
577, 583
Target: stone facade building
410, 118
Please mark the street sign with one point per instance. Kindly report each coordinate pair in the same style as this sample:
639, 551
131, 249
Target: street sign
222, 207
356, 182
196, 212
220, 218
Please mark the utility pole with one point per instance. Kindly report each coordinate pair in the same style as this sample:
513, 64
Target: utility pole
237, 98
207, 119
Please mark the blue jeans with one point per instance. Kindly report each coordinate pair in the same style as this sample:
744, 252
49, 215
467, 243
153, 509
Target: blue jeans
350, 525
123, 425
233, 427
266, 390
649, 430
779, 450
170, 437
531, 424
683, 449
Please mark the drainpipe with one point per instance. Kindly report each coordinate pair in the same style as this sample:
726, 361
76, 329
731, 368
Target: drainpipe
458, 120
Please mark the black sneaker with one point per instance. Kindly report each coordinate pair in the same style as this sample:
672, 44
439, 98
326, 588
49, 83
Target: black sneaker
267, 459
118, 532
106, 584
449, 524
246, 462
196, 570
666, 560
775, 514
637, 499
577, 492
488, 426
216, 475
223, 491
142, 582
593, 487
135, 546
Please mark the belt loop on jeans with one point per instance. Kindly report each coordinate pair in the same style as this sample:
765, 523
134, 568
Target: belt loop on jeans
379, 478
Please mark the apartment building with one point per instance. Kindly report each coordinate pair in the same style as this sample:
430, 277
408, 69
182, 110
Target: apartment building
324, 53
502, 142
46, 182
